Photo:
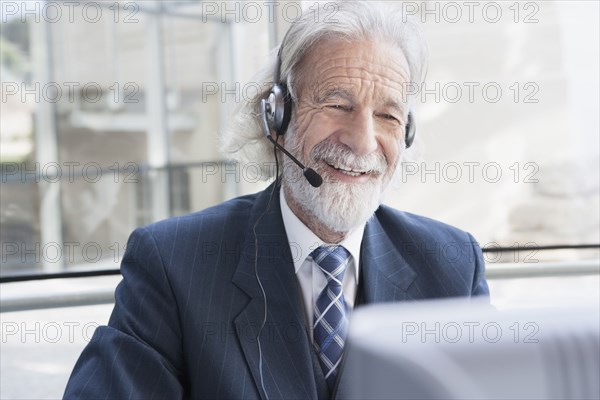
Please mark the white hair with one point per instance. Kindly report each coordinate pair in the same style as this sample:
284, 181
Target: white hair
244, 141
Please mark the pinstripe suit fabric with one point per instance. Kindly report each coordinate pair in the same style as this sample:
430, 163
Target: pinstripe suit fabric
189, 306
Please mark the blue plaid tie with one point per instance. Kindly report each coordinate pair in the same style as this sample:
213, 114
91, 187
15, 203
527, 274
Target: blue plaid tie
330, 322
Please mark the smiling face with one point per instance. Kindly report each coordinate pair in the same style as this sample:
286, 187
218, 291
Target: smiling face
348, 125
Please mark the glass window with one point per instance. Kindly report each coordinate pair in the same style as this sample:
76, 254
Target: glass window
111, 115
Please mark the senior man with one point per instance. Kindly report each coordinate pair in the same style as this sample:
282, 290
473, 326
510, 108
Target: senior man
251, 298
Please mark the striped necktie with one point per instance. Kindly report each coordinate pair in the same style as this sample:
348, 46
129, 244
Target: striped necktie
330, 325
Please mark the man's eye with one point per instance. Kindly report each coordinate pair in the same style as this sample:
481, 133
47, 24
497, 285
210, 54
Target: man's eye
390, 117
340, 107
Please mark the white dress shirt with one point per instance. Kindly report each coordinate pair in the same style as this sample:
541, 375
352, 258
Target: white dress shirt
312, 280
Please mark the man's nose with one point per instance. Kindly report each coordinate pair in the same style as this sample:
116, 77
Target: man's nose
360, 135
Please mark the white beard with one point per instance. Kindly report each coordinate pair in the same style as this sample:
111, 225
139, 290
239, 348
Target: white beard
339, 206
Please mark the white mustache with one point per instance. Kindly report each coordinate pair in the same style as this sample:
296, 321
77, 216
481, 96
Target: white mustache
340, 156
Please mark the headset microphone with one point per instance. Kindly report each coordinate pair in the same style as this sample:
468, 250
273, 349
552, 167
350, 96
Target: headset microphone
310, 174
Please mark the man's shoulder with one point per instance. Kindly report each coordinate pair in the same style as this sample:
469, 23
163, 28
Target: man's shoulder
229, 215
417, 226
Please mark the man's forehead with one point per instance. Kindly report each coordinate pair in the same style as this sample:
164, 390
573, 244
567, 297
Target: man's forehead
341, 68
353, 84
374, 55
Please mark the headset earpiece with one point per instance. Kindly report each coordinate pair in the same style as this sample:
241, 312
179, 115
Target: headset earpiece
279, 108
279, 102
411, 130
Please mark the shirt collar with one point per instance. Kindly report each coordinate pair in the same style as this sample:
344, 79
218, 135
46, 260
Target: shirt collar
303, 241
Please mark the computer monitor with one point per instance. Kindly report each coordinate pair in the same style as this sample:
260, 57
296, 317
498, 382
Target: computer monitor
458, 349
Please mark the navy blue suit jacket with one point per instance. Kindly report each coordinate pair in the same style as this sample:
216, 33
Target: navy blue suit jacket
189, 307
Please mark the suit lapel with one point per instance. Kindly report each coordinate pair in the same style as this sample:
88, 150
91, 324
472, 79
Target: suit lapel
385, 277
386, 274
287, 367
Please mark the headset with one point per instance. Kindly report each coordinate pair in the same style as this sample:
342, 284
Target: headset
276, 113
